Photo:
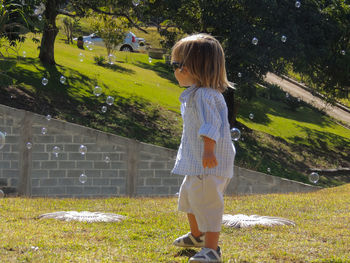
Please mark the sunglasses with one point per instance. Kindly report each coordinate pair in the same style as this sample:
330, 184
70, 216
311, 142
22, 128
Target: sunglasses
176, 65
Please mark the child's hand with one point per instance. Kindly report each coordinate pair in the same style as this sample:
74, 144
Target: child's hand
209, 159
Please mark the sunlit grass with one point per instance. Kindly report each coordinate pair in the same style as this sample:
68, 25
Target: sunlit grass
321, 233
276, 119
132, 74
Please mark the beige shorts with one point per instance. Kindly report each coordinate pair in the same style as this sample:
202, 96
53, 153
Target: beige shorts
203, 196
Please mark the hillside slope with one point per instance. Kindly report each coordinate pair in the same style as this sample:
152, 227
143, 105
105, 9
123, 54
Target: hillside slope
284, 141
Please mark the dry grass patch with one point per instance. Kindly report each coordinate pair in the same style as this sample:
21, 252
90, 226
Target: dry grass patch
321, 235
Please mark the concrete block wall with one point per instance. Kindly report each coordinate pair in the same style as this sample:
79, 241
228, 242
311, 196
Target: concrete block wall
134, 169
9, 154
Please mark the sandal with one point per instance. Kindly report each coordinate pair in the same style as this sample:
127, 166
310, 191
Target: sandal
189, 240
207, 255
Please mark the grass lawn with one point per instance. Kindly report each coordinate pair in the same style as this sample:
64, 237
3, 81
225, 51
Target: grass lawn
147, 108
321, 233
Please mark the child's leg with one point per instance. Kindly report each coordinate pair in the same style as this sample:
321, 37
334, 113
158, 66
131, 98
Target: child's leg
212, 240
207, 203
193, 225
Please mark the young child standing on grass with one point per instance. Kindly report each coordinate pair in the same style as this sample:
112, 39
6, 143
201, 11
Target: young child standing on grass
206, 153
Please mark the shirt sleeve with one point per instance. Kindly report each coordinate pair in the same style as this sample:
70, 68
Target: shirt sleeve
208, 114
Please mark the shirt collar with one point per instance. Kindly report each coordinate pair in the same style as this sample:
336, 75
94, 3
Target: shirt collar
187, 92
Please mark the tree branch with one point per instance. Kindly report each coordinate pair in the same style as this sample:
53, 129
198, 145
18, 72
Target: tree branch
118, 14
66, 13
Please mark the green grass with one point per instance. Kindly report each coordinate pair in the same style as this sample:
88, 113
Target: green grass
146, 93
310, 138
321, 233
147, 108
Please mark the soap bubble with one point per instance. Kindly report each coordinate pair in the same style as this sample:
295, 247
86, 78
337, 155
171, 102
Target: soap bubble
56, 150
48, 117
97, 91
2, 140
269, 170
149, 60
91, 45
239, 74
29, 145
83, 178
44, 81
43, 130
111, 59
104, 109
63, 79
343, 52
135, 2
110, 100
2, 194
235, 134
24, 54
81, 57
283, 38
107, 159
255, 41
83, 149
297, 4
251, 116
314, 177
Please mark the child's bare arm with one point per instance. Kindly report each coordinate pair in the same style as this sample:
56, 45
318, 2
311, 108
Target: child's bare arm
209, 159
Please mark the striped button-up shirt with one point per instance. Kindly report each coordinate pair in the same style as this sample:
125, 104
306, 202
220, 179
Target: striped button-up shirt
204, 113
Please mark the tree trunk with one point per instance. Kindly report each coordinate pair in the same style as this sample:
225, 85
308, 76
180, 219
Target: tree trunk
47, 49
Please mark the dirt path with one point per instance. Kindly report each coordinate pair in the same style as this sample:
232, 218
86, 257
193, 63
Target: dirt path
306, 96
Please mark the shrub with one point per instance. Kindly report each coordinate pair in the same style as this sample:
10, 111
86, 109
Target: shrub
99, 60
275, 93
292, 102
246, 91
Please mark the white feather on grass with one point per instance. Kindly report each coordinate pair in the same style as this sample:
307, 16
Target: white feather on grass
242, 221
84, 216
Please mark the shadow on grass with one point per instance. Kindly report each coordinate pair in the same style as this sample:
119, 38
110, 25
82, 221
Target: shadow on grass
260, 107
162, 69
337, 148
258, 111
5, 66
187, 252
118, 68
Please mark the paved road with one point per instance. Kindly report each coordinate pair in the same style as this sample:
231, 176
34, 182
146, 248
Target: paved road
306, 96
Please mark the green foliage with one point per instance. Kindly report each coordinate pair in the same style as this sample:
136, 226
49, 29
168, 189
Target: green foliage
12, 21
246, 91
99, 60
292, 102
316, 34
111, 30
69, 26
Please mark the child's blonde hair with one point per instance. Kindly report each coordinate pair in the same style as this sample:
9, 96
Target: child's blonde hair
204, 58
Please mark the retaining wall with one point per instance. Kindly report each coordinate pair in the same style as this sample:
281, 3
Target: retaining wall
134, 169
